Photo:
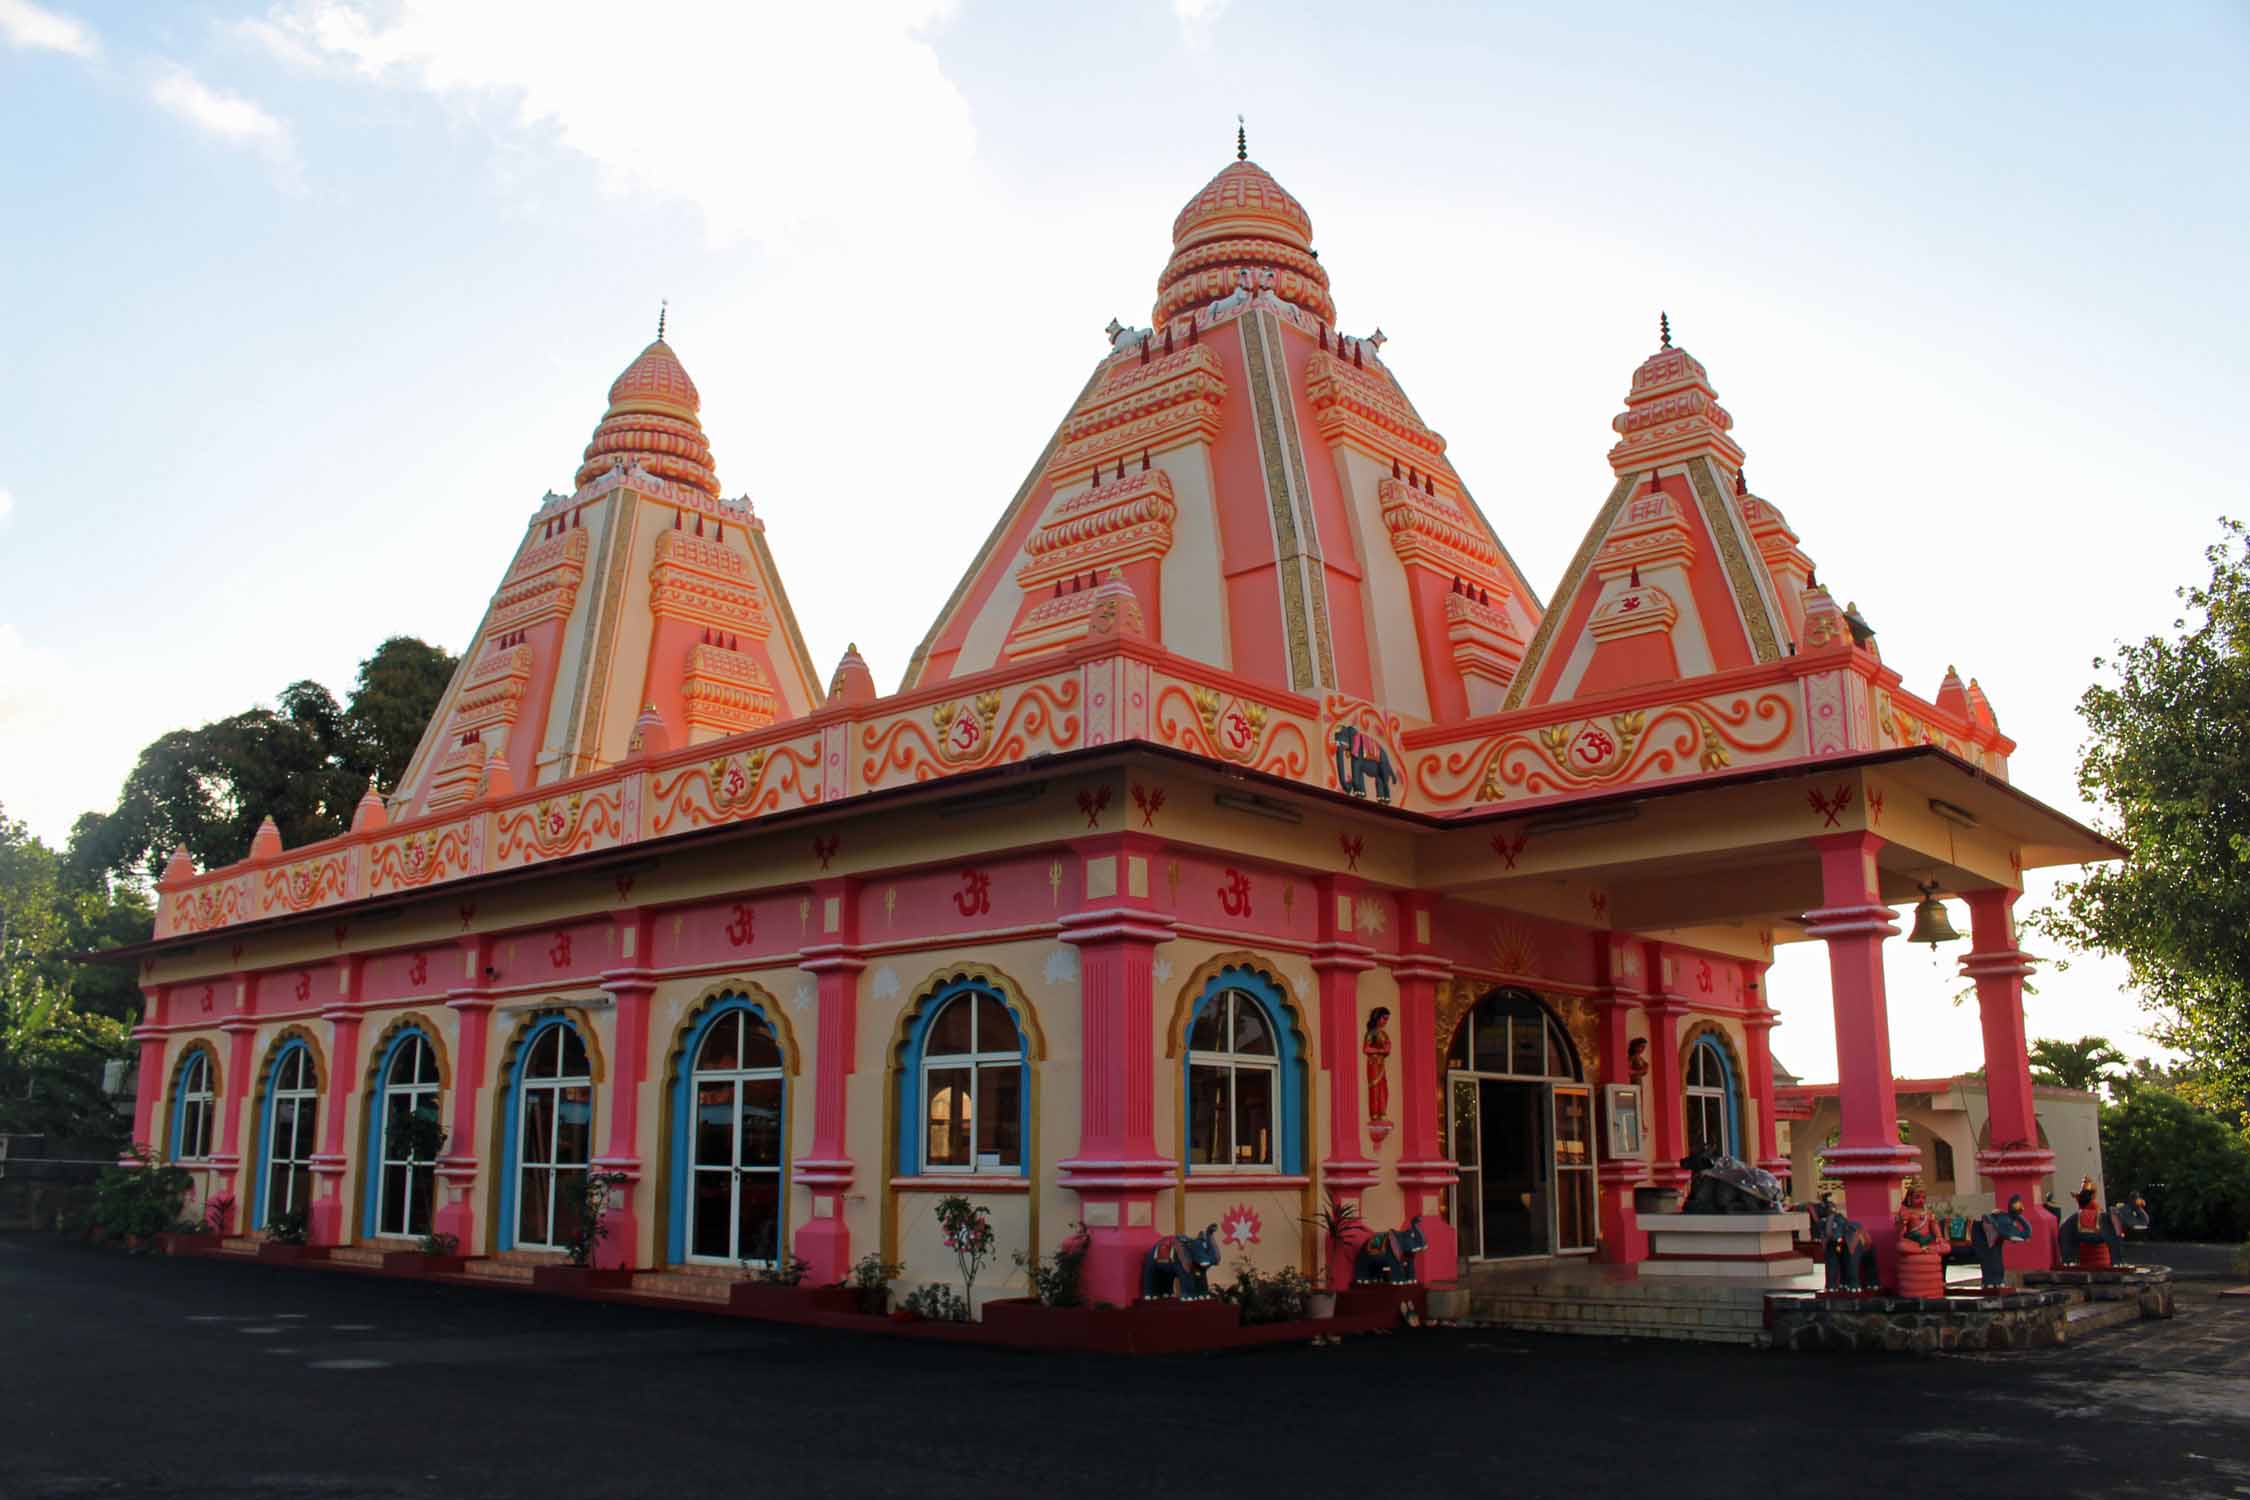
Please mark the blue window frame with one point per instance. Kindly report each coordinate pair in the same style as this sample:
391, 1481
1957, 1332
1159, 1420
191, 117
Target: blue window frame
195, 1107
1714, 1110
548, 1141
1242, 1086
730, 1138
400, 1192
288, 1132
964, 1085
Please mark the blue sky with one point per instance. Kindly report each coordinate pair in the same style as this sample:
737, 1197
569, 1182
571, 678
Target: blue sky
305, 306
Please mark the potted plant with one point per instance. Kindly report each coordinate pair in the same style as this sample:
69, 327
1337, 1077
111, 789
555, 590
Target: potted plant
286, 1237
589, 1199
870, 1284
1279, 1298
967, 1230
1341, 1230
202, 1233
433, 1254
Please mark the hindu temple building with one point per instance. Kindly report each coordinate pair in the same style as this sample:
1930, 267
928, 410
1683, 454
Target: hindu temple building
1246, 831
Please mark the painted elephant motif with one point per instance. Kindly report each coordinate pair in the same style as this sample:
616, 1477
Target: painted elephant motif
1360, 756
1991, 1234
1847, 1251
1389, 1256
1725, 1185
1179, 1265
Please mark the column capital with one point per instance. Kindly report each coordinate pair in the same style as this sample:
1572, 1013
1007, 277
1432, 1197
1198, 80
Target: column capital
1870, 920
1618, 996
340, 1013
1663, 1003
1879, 1162
238, 1025
2015, 1159
1114, 924
1763, 1019
1997, 963
1421, 966
1352, 957
616, 980
831, 958
467, 1001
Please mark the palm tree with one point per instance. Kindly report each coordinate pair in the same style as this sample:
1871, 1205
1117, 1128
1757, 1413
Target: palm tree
2088, 1063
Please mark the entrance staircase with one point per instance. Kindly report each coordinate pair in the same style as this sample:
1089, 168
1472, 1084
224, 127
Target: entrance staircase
1601, 1302
704, 1284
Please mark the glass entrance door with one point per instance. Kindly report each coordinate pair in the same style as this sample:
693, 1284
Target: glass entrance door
1520, 1119
1575, 1222
735, 1187
1512, 1144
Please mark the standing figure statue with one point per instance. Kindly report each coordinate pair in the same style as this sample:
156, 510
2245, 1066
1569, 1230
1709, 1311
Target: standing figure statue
1921, 1248
1847, 1250
2093, 1238
1376, 1047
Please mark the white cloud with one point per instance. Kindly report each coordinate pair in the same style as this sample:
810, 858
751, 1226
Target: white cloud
775, 122
1198, 18
281, 43
26, 26
228, 117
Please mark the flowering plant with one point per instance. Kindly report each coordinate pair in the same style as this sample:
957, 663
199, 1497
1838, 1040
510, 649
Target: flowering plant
967, 1231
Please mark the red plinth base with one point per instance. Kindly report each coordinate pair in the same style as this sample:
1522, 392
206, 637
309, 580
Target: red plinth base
2093, 1255
1921, 1274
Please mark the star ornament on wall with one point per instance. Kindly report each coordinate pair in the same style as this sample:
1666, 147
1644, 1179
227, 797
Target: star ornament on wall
1240, 1226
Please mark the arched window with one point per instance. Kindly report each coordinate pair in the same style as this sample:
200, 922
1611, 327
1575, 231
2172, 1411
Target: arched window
550, 1137
408, 1137
1242, 1082
194, 1108
731, 1109
965, 1086
1710, 1097
290, 1130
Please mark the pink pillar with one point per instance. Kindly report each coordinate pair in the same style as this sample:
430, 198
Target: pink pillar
1346, 1172
1667, 1101
148, 1082
1425, 1172
1758, 1023
226, 1174
629, 991
1116, 1170
325, 1220
1623, 1243
1867, 1158
456, 1213
2014, 1160
824, 1240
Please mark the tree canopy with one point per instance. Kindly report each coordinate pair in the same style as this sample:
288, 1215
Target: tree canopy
304, 762
2168, 766
2193, 1166
2088, 1063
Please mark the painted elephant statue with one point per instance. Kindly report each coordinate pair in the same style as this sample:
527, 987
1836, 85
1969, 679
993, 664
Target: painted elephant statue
1990, 1235
1359, 758
1389, 1256
1179, 1265
1726, 1185
1847, 1251
2093, 1238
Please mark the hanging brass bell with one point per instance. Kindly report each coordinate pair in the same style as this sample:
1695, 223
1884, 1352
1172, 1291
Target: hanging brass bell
1931, 924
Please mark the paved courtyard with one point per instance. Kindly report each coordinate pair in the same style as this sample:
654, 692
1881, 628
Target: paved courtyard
138, 1376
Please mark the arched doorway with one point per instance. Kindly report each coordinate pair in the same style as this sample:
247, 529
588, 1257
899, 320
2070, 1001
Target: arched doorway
1520, 1124
735, 1124
550, 1138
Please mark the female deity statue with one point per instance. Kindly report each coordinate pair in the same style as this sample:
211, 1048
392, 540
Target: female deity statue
1376, 1046
1921, 1248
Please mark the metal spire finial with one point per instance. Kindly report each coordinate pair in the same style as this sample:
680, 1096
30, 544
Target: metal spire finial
1664, 328
1241, 140
662, 308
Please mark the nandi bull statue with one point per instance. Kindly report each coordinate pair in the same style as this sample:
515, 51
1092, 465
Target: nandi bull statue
2093, 1238
1847, 1250
1179, 1265
1726, 1185
1389, 1256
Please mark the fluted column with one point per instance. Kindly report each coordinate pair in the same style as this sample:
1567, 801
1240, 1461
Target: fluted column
1116, 1170
823, 1240
1667, 1103
1867, 1158
1346, 1171
458, 1169
2013, 1158
325, 1219
1758, 1022
1623, 1241
148, 1082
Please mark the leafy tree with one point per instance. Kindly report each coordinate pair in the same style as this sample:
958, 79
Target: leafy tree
2087, 1063
2194, 1167
52, 1044
2169, 767
304, 763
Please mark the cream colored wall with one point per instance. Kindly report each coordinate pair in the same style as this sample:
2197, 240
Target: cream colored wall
1395, 651
1195, 595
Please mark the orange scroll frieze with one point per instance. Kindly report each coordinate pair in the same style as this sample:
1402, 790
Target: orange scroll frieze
1205, 721
731, 787
1586, 753
967, 734
307, 883
588, 818
220, 903
425, 856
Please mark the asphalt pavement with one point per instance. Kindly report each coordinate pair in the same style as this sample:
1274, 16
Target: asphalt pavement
147, 1377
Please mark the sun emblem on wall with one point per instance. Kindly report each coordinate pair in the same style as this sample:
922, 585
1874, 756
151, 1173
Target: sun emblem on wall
1239, 1227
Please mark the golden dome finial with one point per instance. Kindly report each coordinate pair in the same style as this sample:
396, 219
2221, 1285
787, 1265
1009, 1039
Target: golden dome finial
662, 308
1241, 140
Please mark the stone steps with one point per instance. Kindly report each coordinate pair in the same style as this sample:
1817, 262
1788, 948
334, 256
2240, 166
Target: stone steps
2092, 1317
355, 1255
686, 1286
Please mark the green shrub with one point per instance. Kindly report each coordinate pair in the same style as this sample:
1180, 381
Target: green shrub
291, 1228
143, 1199
1279, 1298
